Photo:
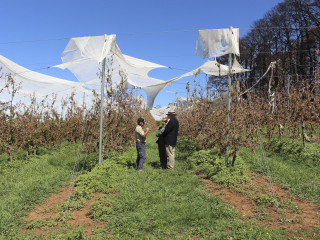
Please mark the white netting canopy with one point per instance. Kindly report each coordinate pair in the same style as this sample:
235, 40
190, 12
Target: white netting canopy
218, 42
34, 84
83, 57
210, 67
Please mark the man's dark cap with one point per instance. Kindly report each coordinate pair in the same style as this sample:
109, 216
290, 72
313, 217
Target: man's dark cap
140, 120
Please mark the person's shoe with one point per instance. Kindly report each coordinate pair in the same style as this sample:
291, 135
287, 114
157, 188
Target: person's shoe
140, 170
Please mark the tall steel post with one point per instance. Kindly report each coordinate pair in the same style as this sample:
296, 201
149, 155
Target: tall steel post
103, 79
229, 107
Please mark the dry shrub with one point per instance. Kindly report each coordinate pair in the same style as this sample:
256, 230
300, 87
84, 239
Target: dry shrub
205, 118
27, 128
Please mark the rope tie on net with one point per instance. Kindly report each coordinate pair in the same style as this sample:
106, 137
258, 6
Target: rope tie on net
271, 66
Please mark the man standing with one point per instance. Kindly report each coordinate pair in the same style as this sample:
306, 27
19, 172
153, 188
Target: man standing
170, 135
161, 144
140, 136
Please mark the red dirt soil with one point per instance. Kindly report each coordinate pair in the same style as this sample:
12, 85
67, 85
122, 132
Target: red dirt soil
305, 218
295, 222
46, 211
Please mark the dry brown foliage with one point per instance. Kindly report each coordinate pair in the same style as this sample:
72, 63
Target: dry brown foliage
26, 128
251, 118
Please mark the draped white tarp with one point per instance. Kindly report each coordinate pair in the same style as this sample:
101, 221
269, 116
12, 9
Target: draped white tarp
34, 84
83, 57
210, 67
214, 43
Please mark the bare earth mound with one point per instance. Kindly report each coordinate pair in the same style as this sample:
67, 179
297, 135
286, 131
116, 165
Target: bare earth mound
48, 213
254, 203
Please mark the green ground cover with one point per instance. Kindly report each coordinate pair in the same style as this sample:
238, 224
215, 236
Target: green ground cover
153, 204
158, 204
23, 184
287, 167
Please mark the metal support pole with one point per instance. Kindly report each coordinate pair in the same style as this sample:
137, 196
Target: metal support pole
229, 107
83, 100
101, 108
289, 79
84, 106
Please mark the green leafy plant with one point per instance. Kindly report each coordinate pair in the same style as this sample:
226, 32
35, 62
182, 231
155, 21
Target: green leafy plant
265, 200
43, 224
296, 152
101, 208
212, 166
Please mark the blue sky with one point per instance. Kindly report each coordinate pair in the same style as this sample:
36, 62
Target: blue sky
35, 33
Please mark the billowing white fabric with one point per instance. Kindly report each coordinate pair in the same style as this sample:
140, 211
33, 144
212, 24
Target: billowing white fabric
216, 69
217, 42
82, 48
86, 53
210, 67
34, 84
83, 57
237, 68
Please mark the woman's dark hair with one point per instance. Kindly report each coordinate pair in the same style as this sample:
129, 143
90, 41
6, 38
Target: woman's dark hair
140, 120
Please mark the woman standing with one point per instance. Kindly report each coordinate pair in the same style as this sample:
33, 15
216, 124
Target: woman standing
140, 137
161, 144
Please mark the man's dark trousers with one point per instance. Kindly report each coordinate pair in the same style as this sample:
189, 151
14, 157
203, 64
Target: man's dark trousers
163, 156
141, 152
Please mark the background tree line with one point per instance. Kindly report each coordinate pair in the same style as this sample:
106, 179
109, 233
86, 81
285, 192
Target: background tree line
289, 33
284, 101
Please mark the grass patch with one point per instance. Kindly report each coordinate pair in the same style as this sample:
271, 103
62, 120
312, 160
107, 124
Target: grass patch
300, 178
153, 204
26, 184
212, 166
170, 204
293, 150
